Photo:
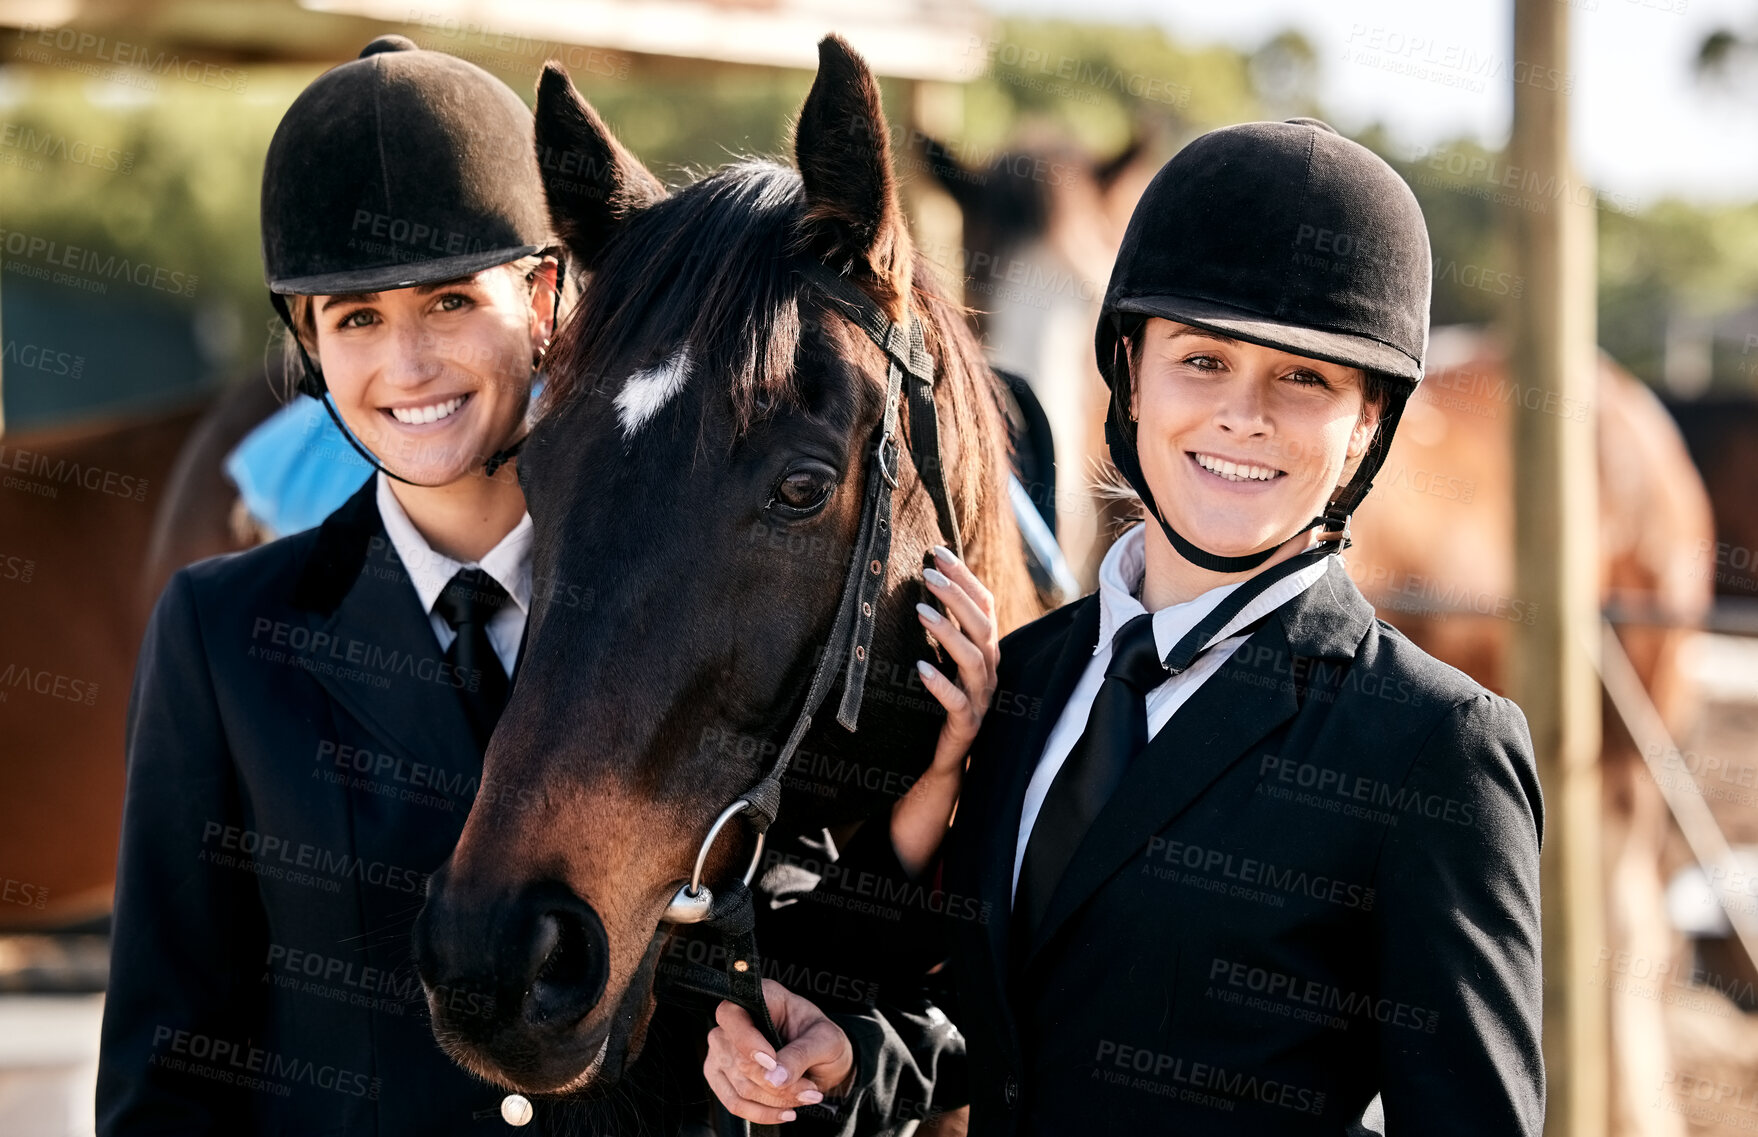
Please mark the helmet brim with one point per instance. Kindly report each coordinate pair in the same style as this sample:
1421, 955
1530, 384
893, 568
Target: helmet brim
1343, 348
406, 274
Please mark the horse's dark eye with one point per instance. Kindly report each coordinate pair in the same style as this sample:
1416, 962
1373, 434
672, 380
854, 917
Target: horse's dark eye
803, 490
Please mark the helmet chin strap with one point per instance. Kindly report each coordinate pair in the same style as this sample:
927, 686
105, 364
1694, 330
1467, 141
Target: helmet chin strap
1214, 562
1124, 455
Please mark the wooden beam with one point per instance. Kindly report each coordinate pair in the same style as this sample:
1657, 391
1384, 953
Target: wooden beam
1552, 334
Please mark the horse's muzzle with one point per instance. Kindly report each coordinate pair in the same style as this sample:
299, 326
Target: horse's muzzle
510, 977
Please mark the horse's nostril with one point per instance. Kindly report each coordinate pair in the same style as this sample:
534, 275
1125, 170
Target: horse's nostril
544, 940
570, 978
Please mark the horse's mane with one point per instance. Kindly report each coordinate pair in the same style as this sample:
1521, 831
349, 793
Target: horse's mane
717, 268
704, 269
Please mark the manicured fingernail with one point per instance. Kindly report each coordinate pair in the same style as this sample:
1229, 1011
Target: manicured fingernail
936, 577
946, 555
810, 1097
763, 1059
778, 1076
787, 1115
928, 614
926, 668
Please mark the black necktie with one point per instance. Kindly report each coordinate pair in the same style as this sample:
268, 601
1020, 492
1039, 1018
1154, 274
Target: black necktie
470, 600
1117, 731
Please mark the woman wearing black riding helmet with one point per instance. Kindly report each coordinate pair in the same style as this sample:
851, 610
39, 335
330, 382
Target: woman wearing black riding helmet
308, 719
1260, 860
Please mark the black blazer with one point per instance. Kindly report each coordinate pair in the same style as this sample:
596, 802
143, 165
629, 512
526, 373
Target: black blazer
1318, 883
298, 763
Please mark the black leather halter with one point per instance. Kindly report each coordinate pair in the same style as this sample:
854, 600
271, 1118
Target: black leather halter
729, 910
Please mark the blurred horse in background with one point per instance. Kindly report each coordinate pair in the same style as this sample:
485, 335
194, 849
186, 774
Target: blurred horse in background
96, 518
77, 508
1041, 227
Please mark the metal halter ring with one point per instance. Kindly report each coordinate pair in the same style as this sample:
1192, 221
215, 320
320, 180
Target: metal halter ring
888, 449
692, 902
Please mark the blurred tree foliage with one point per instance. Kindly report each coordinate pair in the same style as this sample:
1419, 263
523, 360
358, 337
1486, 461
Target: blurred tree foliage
168, 178
1103, 84
163, 176
1659, 263
186, 196
1675, 259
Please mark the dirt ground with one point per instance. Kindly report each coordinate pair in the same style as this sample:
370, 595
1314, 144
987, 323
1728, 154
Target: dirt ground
1713, 1080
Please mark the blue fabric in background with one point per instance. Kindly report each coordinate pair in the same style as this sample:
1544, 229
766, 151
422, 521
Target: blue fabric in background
295, 468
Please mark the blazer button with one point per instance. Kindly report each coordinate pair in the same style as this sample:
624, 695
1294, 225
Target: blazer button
1010, 1091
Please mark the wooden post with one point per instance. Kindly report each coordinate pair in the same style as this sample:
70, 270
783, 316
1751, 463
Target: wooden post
1553, 352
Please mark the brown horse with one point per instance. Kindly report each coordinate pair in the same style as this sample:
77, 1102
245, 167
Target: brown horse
698, 471
87, 565
77, 508
1041, 228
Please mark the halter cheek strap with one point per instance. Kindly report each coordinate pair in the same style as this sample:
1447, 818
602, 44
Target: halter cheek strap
851, 635
729, 908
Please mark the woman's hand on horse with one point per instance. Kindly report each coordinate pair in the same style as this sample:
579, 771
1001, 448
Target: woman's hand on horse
755, 1081
967, 633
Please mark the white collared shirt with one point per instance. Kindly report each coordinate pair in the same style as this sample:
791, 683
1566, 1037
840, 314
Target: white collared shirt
509, 563
1120, 582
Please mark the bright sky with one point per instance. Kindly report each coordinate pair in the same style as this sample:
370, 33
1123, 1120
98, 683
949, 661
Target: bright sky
1644, 127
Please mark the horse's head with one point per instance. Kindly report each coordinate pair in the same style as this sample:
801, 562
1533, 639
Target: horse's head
696, 482
1051, 214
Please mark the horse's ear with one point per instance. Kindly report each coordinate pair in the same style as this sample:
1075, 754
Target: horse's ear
1107, 172
853, 220
592, 181
950, 173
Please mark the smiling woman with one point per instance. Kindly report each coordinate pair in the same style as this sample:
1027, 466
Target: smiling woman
267, 883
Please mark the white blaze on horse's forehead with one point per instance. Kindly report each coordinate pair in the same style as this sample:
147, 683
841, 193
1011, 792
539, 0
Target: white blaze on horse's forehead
647, 391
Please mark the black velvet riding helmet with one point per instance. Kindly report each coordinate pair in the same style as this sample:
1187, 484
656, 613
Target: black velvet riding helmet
398, 168
1286, 235
401, 167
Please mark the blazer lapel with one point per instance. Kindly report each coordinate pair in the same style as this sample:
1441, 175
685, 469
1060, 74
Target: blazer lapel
997, 834
380, 659
1237, 707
